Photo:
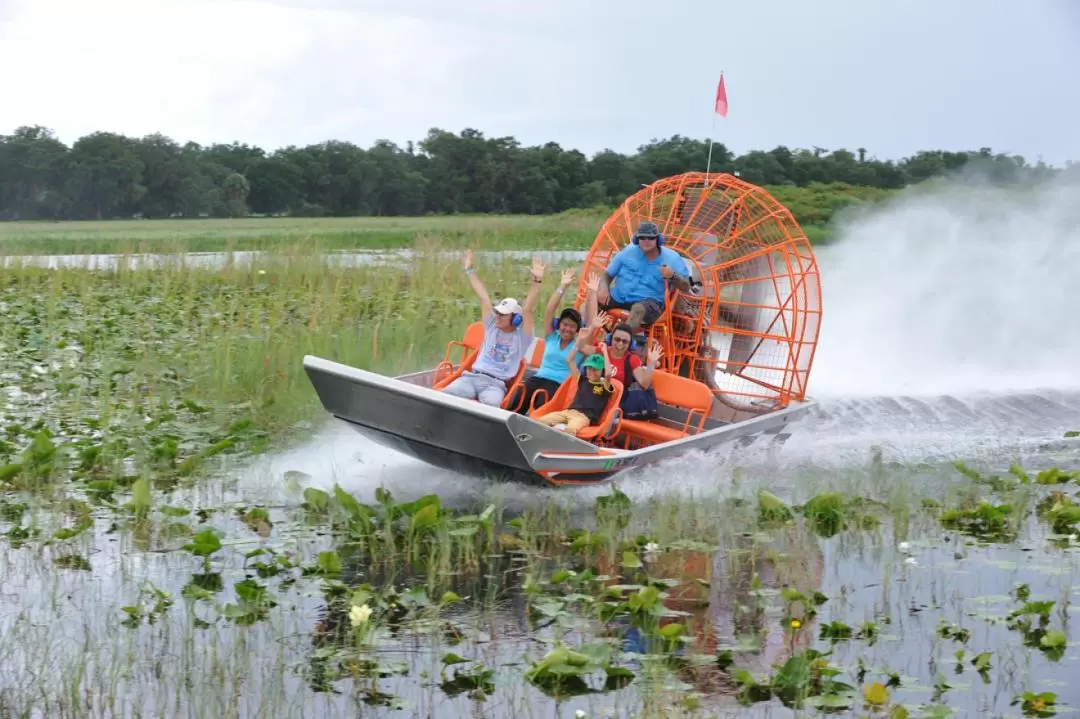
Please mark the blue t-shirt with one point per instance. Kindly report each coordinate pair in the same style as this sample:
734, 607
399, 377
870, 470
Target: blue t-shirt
638, 278
553, 365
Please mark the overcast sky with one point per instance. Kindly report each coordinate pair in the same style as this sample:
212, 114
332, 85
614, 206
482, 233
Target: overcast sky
891, 76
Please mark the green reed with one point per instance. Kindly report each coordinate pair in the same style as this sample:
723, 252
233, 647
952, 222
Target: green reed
168, 363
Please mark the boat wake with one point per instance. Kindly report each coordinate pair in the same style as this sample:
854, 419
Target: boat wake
840, 435
948, 334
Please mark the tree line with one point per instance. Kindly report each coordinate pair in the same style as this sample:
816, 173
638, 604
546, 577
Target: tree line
106, 175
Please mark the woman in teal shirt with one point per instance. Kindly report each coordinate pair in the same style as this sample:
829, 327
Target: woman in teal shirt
559, 343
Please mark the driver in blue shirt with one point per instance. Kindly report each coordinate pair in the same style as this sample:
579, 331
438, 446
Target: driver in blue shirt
639, 271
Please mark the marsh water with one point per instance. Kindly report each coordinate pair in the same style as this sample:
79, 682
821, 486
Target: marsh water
954, 619
341, 258
64, 627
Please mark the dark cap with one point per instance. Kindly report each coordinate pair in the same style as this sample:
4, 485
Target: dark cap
648, 229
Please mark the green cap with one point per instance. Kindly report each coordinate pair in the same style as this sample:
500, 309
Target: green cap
596, 361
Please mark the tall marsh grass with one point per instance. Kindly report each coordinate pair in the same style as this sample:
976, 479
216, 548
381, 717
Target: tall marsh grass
155, 366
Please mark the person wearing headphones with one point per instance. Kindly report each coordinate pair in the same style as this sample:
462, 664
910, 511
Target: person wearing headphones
508, 332
559, 344
639, 271
639, 398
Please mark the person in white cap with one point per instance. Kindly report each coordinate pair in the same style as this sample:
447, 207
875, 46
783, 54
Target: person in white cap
508, 333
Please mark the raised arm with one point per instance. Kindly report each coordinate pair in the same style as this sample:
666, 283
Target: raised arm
586, 340
571, 358
644, 373
556, 298
478, 286
537, 270
607, 366
592, 305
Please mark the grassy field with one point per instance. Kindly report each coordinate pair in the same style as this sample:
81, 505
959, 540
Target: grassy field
813, 206
145, 574
569, 231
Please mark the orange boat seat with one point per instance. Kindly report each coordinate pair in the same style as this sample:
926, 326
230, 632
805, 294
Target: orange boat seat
674, 391
606, 427
537, 355
516, 395
563, 396
446, 371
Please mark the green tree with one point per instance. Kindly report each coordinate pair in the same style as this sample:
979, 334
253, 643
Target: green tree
107, 175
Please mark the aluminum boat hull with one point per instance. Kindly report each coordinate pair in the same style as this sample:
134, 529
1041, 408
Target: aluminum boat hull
406, 415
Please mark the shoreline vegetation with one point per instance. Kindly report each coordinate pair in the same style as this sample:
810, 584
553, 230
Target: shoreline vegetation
442, 181
815, 208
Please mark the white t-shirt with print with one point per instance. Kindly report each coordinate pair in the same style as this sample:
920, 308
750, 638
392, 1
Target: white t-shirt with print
502, 352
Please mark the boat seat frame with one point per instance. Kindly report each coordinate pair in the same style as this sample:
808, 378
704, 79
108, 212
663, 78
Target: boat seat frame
605, 428
671, 390
446, 371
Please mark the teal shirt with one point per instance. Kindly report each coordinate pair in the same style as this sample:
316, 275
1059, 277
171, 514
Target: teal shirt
553, 364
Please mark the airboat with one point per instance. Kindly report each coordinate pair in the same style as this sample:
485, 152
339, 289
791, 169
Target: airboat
738, 350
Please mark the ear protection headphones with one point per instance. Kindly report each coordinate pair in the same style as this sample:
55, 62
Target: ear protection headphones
659, 239
515, 320
633, 342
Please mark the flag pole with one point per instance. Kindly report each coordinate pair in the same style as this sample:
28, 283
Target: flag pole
716, 111
708, 164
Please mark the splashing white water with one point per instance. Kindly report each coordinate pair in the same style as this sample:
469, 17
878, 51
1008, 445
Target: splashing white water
968, 288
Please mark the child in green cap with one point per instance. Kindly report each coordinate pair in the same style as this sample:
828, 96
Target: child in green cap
593, 391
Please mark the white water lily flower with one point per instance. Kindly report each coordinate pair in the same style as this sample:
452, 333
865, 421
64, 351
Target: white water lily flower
359, 615
652, 548
579, 714
904, 546
911, 561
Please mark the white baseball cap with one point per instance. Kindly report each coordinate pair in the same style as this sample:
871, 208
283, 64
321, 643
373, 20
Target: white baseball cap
508, 306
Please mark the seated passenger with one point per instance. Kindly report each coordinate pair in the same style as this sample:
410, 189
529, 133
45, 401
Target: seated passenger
626, 363
639, 271
558, 345
593, 391
508, 331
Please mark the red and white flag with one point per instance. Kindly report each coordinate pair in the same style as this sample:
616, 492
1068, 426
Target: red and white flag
721, 98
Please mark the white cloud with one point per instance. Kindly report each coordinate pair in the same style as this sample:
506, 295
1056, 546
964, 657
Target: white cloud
137, 66
586, 74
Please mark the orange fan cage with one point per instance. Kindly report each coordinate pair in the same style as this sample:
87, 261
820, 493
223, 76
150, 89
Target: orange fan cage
749, 326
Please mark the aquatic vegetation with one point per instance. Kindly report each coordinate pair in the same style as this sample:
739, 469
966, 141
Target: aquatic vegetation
111, 376
615, 611
140, 577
